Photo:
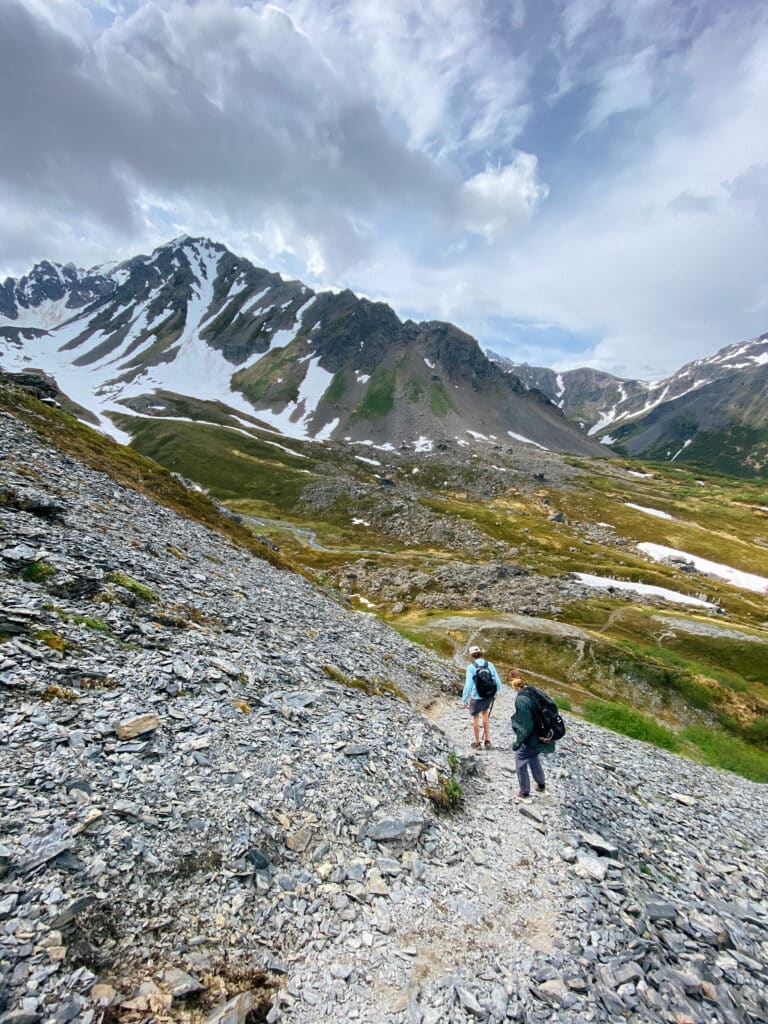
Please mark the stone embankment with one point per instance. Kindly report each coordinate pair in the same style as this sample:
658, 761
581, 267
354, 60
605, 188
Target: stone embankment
215, 806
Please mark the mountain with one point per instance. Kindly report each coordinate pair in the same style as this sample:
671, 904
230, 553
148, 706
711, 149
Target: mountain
195, 321
712, 412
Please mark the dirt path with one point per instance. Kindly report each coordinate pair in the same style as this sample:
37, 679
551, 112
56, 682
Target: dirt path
507, 838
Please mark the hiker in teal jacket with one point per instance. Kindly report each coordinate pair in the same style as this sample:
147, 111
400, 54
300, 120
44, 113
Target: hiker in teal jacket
479, 707
527, 745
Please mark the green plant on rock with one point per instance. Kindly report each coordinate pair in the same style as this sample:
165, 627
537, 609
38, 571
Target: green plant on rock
141, 591
56, 692
37, 572
447, 795
373, 687
52, 640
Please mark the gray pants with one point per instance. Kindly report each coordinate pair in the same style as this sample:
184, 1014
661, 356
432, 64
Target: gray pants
525, 757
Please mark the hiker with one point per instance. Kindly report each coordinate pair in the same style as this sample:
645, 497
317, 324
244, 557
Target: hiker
482, 683
528, 745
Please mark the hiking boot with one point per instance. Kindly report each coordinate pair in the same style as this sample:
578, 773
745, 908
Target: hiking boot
487, 744
520, 795
541, 789
475, 746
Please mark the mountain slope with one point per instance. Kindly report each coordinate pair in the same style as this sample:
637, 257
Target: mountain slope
194, 320
217, 784
712, 412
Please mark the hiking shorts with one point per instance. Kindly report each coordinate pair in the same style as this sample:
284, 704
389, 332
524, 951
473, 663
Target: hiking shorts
479, 704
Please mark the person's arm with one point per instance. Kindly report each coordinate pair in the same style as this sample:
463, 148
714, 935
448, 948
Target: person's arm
468, 684
495, 675
522, 722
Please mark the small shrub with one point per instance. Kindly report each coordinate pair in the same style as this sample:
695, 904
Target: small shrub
244, 706
55, 692
91, 623
336, 674
447, 795
139, 589
722, 750
52, 640
97, 683
373, 687
564, 703
624, 719
37, 572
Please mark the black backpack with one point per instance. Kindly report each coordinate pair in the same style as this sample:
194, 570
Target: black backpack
547, 722
485, 684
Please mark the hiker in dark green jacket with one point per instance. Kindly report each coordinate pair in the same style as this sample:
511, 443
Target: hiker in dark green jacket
527, 745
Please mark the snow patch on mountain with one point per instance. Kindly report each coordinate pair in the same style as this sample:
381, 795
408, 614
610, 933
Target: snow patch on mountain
743, 580
526, 440
49, 313
681, 450
605, 582
649, 511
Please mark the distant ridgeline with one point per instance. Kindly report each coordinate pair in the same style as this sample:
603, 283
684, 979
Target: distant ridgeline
193, 331
713, 412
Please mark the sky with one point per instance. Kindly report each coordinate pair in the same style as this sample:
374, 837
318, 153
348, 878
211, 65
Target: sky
574, 182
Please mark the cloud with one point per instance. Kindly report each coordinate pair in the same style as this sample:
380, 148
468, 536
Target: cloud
688, 202
501, 197
625, 86
598, 166
227, 109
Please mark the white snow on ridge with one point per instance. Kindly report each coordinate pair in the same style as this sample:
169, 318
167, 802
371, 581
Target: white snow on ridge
253, 303
430, 365
645, 476
681, 450
50, 313
649, 511
423, 444
371, 462
743, 580
612, 416
560, 386
526, 440
642, 588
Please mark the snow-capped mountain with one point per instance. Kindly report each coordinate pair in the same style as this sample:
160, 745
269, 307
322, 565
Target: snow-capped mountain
713, 411
192, 319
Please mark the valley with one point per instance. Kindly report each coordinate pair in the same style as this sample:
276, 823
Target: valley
494, 538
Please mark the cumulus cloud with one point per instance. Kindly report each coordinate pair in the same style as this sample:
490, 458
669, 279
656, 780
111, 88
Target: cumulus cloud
501, 197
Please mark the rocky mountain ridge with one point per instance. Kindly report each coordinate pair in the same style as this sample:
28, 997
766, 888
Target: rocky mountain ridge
712, 411
196, 321
222, 795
